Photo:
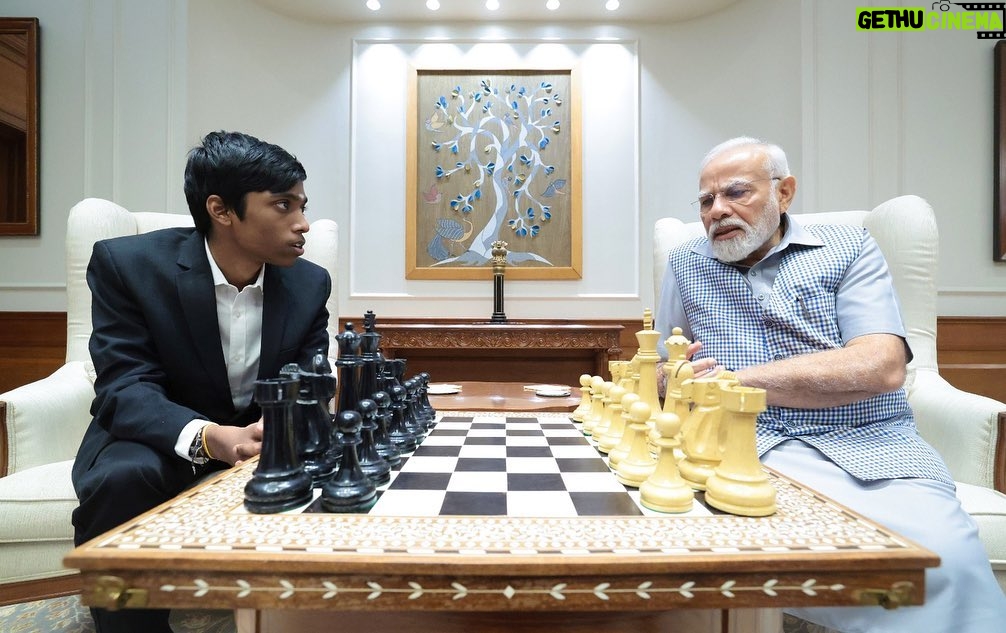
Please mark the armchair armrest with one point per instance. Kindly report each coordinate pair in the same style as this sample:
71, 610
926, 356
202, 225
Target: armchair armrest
967, 429
43, 421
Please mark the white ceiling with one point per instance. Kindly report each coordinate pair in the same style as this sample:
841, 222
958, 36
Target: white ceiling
510, 10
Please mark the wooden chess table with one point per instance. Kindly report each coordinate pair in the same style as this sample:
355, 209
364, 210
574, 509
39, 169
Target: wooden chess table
548, 570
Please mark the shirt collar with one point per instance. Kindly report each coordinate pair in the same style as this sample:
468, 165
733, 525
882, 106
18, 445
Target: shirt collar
793, 233
218, 275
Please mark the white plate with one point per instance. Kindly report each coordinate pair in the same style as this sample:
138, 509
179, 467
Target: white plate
442, 389
553, 393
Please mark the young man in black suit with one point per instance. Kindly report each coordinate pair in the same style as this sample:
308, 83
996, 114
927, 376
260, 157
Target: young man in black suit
185, 320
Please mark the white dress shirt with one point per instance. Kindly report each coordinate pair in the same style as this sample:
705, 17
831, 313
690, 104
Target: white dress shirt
239, 315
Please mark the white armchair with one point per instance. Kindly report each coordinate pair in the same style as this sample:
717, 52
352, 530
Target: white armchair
968, 430
41, 424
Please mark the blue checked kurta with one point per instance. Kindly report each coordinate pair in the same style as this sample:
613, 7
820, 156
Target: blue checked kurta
872, 439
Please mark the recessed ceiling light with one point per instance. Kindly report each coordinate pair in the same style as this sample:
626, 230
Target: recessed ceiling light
432, 5
492, 5
552, 5
373, 5
611, 5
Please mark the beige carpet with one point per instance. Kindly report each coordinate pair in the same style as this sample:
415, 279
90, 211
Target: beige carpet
67, 615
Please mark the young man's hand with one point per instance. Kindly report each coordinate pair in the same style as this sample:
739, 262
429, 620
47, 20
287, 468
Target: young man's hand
234, 444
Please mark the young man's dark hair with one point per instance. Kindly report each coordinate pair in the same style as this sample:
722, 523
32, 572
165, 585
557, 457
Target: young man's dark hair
232, 164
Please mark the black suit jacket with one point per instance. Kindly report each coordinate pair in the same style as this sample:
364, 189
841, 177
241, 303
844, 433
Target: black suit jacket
156, 343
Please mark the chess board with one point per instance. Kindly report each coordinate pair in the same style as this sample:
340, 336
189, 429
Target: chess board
511, 512
518, 465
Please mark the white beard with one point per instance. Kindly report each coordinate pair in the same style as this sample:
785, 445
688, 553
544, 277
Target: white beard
755, 235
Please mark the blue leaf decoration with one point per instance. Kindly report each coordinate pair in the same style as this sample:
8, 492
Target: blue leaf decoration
440, 171
436, 249
534, 229
546, 213
554, 187
549, 169
543, 143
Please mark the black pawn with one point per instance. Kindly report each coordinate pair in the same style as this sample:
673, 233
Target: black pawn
279, 482
350, 490
412, 422
371, 462
431, 413
400, 435
382, 415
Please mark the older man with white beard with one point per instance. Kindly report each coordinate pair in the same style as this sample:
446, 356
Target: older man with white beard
809, 313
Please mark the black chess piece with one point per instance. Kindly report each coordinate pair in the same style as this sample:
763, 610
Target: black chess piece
350, 489
348, 367
326, 390
382, 440
401, 436
431, 413
413, 422
279, 482
312, 426
371, 462
370, 342
315, 430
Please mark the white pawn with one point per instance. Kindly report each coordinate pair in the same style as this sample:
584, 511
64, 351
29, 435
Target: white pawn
665, 490
584, 408
604, 421
612, 433
638, 465
596, 406
621, 450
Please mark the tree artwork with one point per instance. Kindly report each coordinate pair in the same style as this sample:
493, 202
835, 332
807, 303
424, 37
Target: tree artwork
494, 161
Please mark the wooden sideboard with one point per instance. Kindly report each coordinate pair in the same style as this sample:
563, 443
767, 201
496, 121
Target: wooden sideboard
972, 351
516, 351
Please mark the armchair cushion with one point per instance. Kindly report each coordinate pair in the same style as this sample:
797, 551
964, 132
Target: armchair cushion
45, 420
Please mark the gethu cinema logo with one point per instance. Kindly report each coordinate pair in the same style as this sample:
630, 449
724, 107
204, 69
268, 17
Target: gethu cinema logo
918, 18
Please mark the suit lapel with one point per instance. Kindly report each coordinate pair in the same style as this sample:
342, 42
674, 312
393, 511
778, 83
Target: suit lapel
276, 305
199, 303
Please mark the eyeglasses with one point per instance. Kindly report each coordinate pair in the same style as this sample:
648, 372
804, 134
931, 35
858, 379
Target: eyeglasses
738, 192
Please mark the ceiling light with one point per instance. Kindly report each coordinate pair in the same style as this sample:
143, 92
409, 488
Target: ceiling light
492, 5
611, 5
552, 5
373, 5
432, 5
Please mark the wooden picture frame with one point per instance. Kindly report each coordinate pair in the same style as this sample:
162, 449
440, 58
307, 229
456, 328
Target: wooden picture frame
19, 135
493, 155
999, 159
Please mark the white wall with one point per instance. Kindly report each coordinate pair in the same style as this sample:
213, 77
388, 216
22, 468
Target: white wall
128, 87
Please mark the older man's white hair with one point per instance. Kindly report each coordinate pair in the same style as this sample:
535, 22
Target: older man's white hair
775, 158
